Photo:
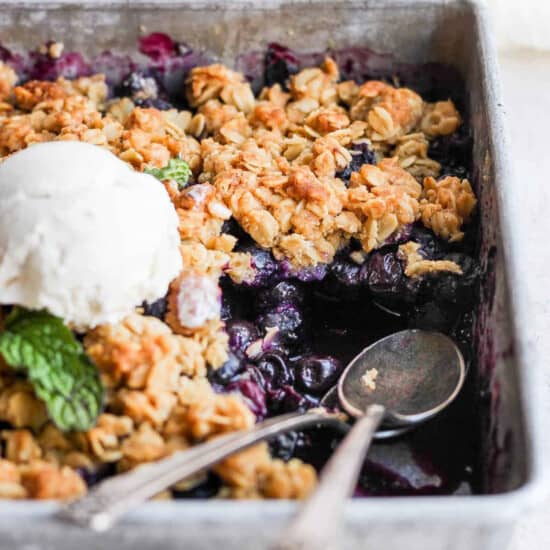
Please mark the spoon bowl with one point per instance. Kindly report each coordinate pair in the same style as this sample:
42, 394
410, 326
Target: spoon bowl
419, 373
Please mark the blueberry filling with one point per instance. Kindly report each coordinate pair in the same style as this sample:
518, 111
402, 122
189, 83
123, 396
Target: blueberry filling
291, 332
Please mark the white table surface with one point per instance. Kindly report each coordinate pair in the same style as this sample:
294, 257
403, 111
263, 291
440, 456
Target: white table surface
526, 88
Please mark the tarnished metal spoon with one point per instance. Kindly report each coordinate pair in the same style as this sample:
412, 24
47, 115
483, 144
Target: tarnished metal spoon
430, 354
419, 374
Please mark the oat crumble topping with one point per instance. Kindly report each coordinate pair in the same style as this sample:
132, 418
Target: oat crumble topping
273, 163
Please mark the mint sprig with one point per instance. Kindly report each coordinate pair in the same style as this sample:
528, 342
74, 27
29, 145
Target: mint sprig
39, 344
176, 169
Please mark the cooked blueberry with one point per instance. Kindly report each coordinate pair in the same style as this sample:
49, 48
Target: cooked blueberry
227, 371
140, 85
385, 274
294, 401
459, 290
241, 335
264, 263
430, 246
154, 102
284, 446
157, 46
402, 235
361, 153
348, 273
69, 65
316, 374
253, 394
95, 474
285, 292
286, 317
453, 152
205, 489
280, 63
305, 274
275, 370
156, 308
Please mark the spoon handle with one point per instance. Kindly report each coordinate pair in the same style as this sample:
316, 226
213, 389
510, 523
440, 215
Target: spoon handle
112, 498
317, 523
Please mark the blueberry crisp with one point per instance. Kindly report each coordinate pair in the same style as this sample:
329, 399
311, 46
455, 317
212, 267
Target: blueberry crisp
319, 208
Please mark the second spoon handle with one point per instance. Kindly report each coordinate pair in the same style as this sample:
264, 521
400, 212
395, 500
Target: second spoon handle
112, 498
318, 520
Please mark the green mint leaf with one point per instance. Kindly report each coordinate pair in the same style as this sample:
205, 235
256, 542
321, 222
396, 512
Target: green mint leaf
176, 169
56, 365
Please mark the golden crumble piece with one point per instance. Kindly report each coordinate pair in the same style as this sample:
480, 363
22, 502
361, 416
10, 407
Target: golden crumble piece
201, 413
8, 78
142, 352
252, 473
144, 445
20, 446
217, 81
19, 405
34, 92
390, 112
385, 198
275, 95
10, 481
287, 480
446, 204
303, 184
411, 151
328, 119
416, 265
316, 83
93, 87
440, 119
268, 115
105, 438
43, 480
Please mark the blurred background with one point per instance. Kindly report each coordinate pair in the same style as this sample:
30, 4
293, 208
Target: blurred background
522, 32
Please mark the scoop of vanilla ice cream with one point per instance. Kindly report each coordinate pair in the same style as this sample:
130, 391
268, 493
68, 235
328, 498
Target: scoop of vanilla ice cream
82, 234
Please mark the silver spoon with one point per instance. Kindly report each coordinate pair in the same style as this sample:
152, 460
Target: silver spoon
112, 498
420, 373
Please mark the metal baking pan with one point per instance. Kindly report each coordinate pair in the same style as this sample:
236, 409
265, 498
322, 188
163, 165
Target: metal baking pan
509, 367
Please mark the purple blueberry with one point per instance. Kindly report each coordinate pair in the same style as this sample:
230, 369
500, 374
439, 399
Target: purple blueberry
280, 63
305, 274
430, 246
154, 103
458, 290
241, 335
140, 85
285, 292
402, 235
287, 318
227, 371
265, 265
348, 274
97, 473
361, 153
275, 370
156, 309
385, 274
69, 65
316, 374
453, 152
253, 394
284, 446
208, 488
157, 46
289, 400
